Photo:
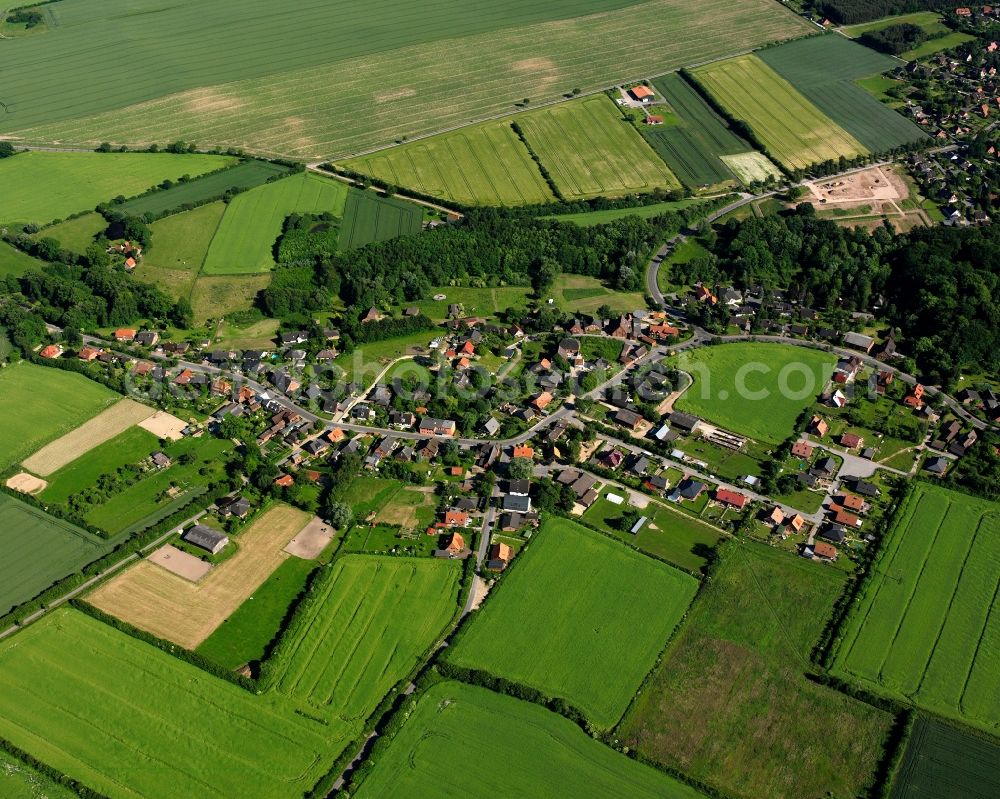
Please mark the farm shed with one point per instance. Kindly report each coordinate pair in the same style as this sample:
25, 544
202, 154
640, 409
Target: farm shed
206, 538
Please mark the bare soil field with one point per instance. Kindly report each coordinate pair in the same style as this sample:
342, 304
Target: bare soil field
164, 425
865, 199
183, 564
311, 540
103, 427
27, 483
186, 613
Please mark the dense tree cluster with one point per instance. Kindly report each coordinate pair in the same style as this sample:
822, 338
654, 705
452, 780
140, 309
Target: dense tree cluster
894, 39
849, 12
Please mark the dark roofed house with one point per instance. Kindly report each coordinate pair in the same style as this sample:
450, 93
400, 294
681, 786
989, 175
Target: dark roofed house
936, 465
238, 507
516, 504
859, 341
206, 538
690, 489
685, 421
628, 419
866, 489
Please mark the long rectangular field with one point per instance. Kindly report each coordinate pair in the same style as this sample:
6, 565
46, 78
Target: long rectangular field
588, 598
926, 627
483, 164
730, 705
543, 754
39, 404
244, 176
591, 150
131, 721
824, 69
793, 130
321, 80
36, 550
252, 223
365, 629
42, 186
369, 217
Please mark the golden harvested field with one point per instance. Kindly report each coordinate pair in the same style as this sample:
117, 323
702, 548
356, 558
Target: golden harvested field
186, 613
793, 130
346, 107
103, 427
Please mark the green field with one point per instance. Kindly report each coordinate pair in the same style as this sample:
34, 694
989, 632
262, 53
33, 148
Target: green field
542, 755
588, 218
132, 446
369, 217
579, 294
42, 186
740, 386
252, 223
213, 296
486, 302
16, 263
76, 234
244, 636
591, 150
160, 729
180, 244
39, 404
693, 146
928, 21
941, 43
793, 130
245, 175
751, 166
366, 362
824, 68
367, 625
588, 599
19, 781
731, 705
483, 164
926, 627
941, 760
318, 80
36, 550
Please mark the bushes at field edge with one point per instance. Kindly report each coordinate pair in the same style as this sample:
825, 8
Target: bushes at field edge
53, 774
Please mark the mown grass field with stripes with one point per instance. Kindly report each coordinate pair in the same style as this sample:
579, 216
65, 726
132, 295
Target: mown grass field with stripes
588, 598
942, 760
369, 217
318, 80
483, 164
363, 631
789, 126
693, 147
590, 149
824, 68
926, 627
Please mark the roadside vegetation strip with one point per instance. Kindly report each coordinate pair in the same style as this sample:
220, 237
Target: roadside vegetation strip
589, 150
792, 129
243, 176
483, 164
728, 376
36, 550
943, 760
544, 754
926, 626
369, 217
362, 629
42, 186
244, 241
153, 599
314, 109
162, 728
748, 639
117, 419
596, 652
39, 404
824, 68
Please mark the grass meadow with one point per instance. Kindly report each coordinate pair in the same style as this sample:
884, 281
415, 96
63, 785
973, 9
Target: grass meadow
19, 781
730, 705
483, 164
161, 728
751, 166
590, 149
338, 81
180, 244
369, 217
15, 263
252, 223
719, 372
366, 626
926, 626
544, 755
824, 69
793, 130
588, 218
245, 175
581, 294
42, 186
214, 296
36, 550
475, 301
942, 760
39, 404
76, 234
588, 598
